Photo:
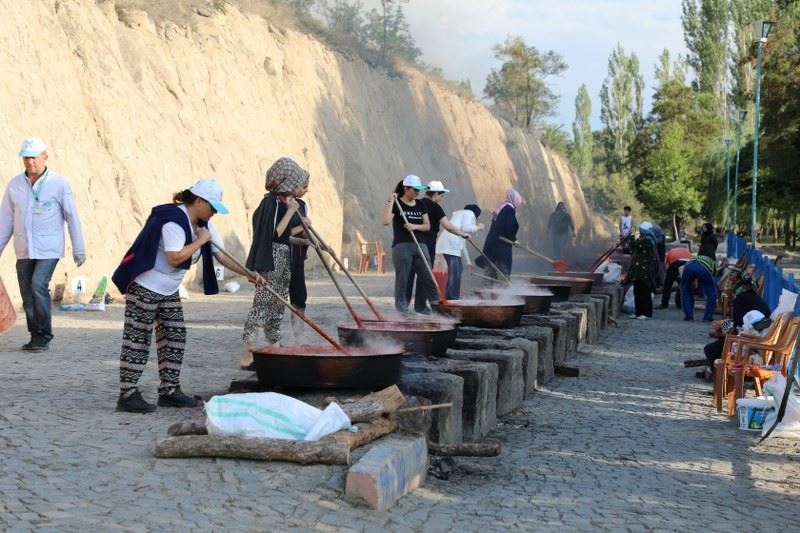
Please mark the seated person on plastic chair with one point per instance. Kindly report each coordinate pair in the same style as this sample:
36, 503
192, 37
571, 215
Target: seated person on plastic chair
748, 308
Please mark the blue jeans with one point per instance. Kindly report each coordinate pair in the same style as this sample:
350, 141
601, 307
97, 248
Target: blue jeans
696, 271
34, 276
455, 269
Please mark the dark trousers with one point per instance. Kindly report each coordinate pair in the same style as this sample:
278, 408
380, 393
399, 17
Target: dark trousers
297, 278
713, 351
34, 276
673, 275
696, 271
642, 299
455, 269
405, 259
415, 281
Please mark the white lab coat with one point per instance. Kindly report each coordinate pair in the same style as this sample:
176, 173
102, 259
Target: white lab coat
38, 225
447, 243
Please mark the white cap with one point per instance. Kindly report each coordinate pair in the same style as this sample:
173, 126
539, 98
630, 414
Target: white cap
751, 317
32, 147
210, 191
436, 186
646, 226
413, 181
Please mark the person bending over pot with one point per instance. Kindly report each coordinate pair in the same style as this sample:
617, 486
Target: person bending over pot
174, 237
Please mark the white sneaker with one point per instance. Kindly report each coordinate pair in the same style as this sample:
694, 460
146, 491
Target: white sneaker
642, 317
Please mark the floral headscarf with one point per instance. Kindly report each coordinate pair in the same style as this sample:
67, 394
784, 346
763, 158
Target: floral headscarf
744, 282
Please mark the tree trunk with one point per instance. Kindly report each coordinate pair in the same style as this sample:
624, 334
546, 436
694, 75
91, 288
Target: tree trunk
466, 449
367, 432
675, 227
324, 452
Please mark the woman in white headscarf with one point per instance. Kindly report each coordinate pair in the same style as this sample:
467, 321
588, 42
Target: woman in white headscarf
642, 272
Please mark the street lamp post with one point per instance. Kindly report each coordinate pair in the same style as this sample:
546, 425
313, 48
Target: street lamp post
728, 142
742, 115
761, 30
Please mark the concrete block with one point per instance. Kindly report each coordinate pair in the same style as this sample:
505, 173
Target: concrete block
479, 404
597, 307
510, 383
418, 421
581, 313
590, 314
540, 335
438, 387
559, 327
606, 299
572, 332
530, 352
392, 468
615, 294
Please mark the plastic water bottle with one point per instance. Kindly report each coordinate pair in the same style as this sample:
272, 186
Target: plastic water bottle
346, 264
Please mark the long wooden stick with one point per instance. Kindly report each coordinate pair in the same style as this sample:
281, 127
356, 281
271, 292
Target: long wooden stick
482, 276
558, 264
292, 308
347, 273
316, 246
425, 407
419, 248
491, 263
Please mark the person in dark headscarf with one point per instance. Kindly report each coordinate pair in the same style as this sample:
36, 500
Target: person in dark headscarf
708, 242
642, 272
560, 227
273, 221
504, 224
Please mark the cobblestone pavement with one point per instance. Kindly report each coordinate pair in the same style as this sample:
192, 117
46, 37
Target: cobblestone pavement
633, 444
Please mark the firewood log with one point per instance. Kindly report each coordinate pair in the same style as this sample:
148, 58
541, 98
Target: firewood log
466, 449
323, 451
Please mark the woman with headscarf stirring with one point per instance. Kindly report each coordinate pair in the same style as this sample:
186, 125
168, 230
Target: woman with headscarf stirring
708, 242
504, 224
273, 221
642, 272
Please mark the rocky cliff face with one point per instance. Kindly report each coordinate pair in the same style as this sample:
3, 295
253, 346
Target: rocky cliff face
134, 110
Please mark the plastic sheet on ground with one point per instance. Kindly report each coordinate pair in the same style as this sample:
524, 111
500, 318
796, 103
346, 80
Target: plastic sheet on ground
271, 415
789, 427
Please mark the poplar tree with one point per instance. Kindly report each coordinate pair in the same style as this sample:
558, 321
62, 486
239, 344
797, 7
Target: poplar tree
583, 140
621, 100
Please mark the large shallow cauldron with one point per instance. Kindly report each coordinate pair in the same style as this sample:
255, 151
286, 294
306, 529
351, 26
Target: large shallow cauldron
579, 285
428, 337
536, 300
560, 291
483, 314
323, 367
596, 277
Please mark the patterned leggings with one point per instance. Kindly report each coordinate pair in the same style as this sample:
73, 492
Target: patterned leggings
267, 311
143, 307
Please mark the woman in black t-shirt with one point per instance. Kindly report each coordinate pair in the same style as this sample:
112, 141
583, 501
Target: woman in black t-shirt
405, 254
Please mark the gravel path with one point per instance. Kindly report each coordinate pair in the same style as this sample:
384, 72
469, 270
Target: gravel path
633, 444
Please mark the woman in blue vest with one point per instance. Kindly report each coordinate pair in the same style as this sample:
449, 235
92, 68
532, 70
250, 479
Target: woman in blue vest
174, 237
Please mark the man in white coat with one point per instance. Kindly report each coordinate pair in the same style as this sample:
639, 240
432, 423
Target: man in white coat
35, 206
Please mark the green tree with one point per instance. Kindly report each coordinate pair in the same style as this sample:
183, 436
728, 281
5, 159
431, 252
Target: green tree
705, 29
621, 101
519, 87
582, 139
344, 17
388, 32
668, 190
780, 118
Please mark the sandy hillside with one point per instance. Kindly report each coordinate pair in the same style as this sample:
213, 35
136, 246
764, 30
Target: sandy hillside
134, 110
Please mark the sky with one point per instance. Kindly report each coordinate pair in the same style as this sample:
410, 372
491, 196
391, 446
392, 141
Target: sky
457, 36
